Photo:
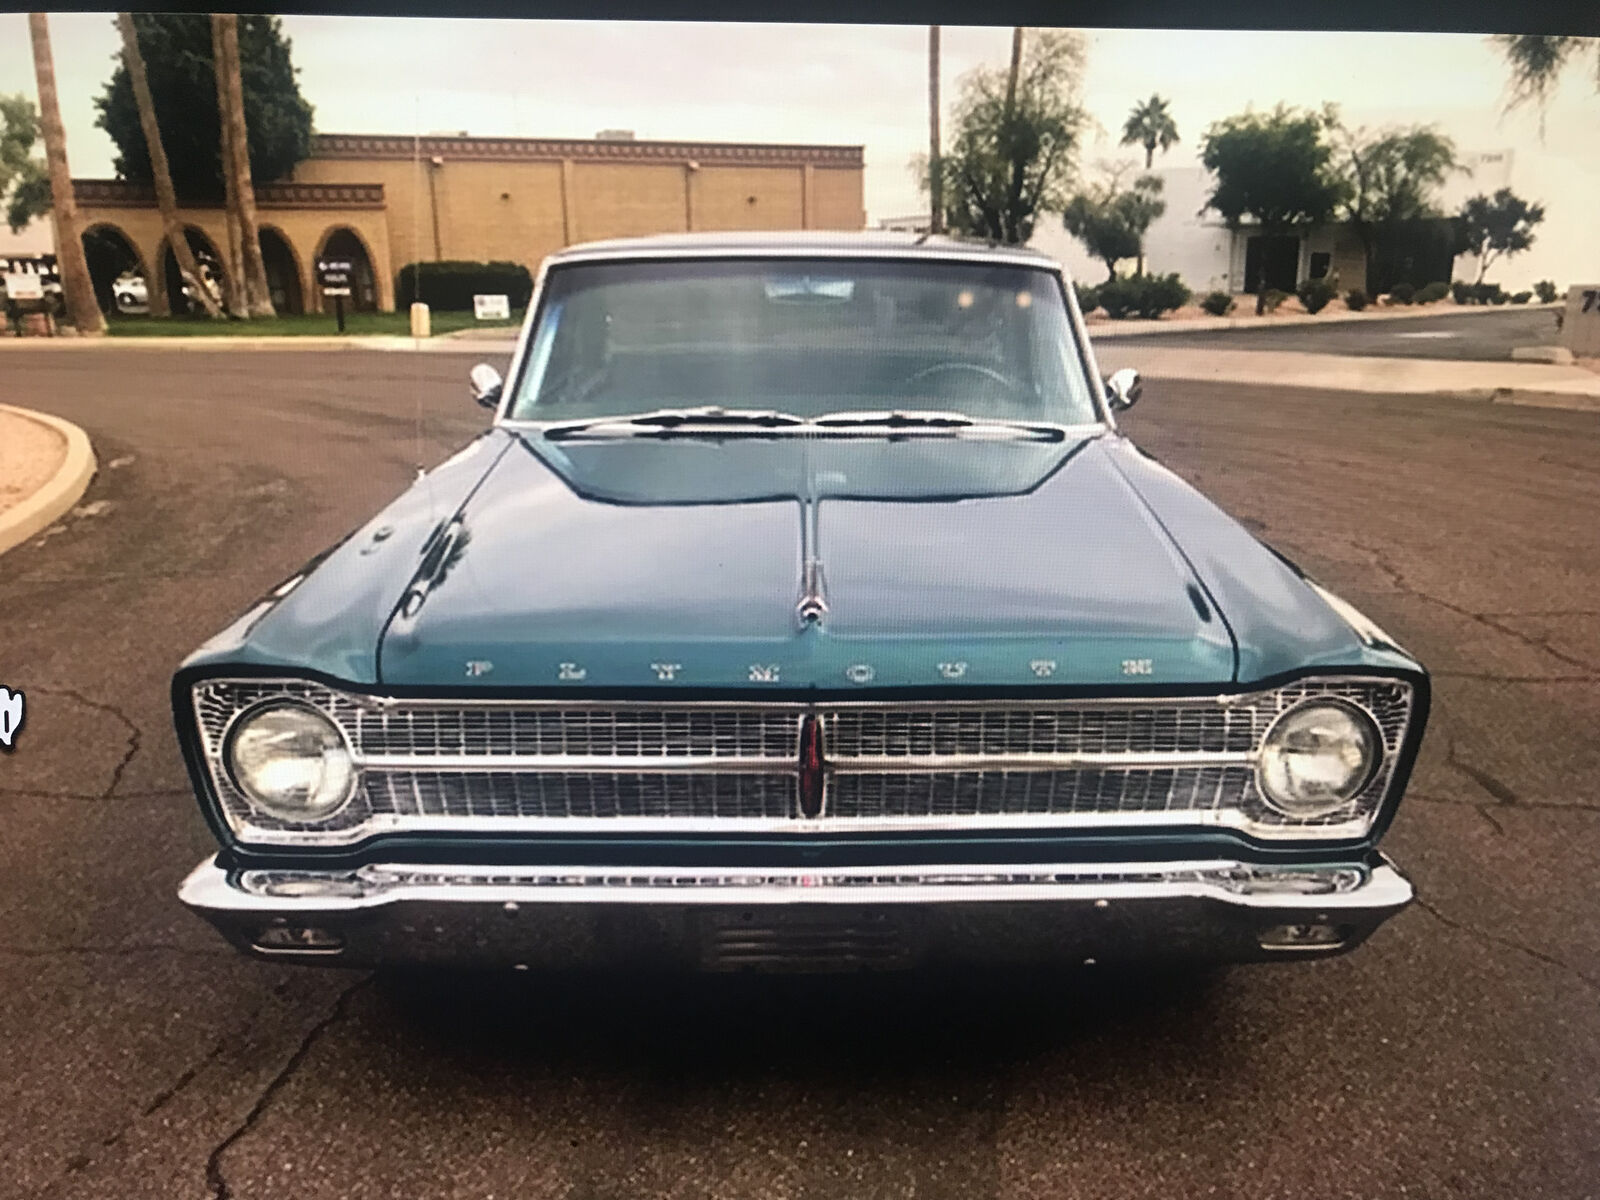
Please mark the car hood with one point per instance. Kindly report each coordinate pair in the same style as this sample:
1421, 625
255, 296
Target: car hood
681, 562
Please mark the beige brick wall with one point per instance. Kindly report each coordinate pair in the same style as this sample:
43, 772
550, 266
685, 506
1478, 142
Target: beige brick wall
749, 198
626, 199
839, 200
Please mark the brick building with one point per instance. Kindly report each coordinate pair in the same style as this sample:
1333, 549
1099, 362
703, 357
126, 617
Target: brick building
386, 201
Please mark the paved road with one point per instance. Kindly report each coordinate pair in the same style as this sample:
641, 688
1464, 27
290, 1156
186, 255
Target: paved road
1488, 336
1455, 1055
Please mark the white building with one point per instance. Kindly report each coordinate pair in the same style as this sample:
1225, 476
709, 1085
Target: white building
1195, 243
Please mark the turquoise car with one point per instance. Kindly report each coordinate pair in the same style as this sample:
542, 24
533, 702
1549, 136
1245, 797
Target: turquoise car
801, 607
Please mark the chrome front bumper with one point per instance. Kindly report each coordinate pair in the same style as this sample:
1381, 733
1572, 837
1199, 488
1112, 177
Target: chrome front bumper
830, 919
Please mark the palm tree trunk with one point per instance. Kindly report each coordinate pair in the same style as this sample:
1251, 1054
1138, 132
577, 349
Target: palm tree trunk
935, 167
1149, 157
233, 285
166, 198
76, 286
255, 268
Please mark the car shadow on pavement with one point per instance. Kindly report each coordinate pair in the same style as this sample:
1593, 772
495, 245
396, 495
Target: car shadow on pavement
731, 1026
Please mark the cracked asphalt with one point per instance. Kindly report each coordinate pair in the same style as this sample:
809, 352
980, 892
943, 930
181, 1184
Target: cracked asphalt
1456, 1055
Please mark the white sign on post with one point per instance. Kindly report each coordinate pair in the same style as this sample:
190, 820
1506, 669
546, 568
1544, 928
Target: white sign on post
24, 285
491, 308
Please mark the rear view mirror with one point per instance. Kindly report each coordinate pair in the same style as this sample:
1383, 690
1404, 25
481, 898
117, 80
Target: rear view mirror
486, 385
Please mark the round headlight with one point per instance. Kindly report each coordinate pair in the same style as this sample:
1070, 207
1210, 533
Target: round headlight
1317, 757
291, 761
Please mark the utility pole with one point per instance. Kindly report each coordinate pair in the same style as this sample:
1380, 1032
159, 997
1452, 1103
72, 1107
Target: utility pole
935, 166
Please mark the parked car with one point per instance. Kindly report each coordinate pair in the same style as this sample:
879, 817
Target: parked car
130, 294
803, 606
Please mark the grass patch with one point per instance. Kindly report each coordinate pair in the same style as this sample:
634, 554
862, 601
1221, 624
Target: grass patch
367, 324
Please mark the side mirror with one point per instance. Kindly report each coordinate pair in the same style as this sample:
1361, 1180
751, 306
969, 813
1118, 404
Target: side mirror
1123, 389
486, 385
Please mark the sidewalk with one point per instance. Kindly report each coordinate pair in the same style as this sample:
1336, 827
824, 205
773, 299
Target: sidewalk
45, 466
1533, 384
1104, 327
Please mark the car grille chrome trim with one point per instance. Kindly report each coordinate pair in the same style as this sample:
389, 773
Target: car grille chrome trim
729, 766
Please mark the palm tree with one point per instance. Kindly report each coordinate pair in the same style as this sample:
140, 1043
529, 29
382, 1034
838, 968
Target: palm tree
76, 286
1150, 125
935, 169
1537, 60
166, 198
237, 143
233, 283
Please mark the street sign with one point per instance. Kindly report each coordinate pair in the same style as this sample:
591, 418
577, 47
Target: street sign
23, 285
334, 275
491, 308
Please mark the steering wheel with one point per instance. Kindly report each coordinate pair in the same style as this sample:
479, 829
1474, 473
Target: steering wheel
946, 368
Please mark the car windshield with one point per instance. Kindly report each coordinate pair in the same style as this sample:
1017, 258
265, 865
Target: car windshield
804, 337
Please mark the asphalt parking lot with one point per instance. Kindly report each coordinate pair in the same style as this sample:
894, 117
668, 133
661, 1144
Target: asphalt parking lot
1456, 1055
1483, 336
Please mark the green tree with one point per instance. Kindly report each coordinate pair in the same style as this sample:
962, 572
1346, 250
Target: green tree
1274, 167
1007, 162
1150, 125
179, 61
24, 179
1111, 223
1392, 178
1495, 225
1537, 62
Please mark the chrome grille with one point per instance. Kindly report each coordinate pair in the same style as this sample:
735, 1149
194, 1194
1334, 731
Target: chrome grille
730, 766
565, 796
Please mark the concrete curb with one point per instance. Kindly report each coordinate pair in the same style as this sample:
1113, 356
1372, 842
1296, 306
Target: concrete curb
63, 490
1122, 329
438, 345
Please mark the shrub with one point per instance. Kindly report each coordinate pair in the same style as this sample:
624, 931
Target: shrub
1547, 291
1162, 294
1088, 298
1461, 291
1145, 295
1218, 304
1432, 293
450, 285
1317, 294
1355, 300
1273, 298
1521, 297
1402, 293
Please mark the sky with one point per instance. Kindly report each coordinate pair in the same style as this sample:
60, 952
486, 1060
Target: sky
861, 84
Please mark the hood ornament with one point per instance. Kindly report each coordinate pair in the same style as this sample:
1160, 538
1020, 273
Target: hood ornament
813, 605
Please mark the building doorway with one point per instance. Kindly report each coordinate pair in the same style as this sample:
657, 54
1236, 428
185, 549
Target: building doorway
115, 270
1273, 259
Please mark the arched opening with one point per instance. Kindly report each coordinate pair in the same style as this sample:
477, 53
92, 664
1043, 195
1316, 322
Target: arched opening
283, 272
344, 244
211, 271
116, 270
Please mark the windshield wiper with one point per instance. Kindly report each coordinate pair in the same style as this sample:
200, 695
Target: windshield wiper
662, 421
958, 423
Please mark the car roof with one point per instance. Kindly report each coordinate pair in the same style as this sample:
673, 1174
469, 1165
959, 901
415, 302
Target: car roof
808, 244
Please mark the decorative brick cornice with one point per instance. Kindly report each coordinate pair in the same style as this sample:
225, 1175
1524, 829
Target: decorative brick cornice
382, 146
115, 193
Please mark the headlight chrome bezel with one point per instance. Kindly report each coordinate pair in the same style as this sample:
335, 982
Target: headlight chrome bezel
317, 816
1373, 746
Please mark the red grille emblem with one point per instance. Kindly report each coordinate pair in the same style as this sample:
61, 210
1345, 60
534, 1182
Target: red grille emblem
811, 767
